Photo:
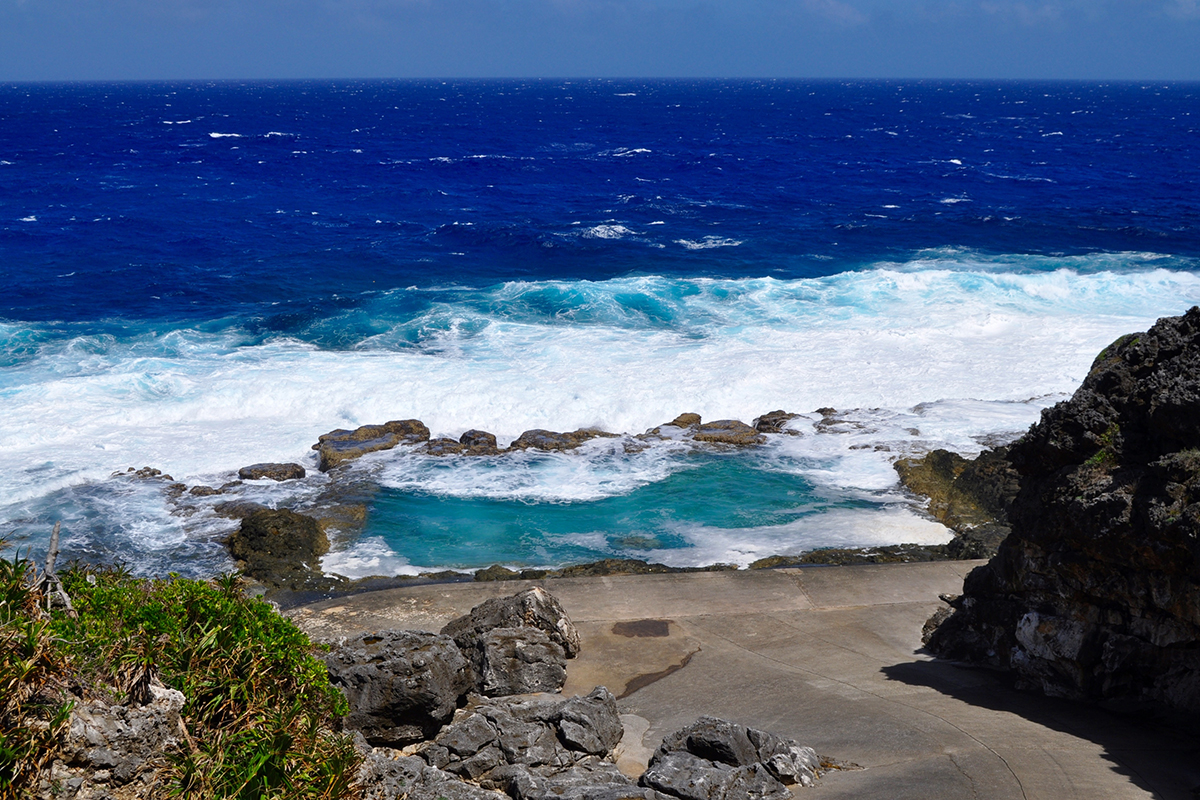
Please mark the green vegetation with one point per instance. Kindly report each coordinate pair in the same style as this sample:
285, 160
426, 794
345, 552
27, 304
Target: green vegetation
260, 713
1106, 456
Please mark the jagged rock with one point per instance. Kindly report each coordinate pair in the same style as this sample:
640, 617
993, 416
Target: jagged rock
479, 443
275, 472
728, 431
496, 573
534, 746
552, 441
591, 724
774, 422
201, 490
518, 661
1096, 592
121, 748
588, 779
685, 420
238, 509
402, 686
386, 775
277, 544
339, 446
713, 759
535, 608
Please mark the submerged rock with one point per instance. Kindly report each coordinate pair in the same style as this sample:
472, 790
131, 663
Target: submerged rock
1096, 592
337, 447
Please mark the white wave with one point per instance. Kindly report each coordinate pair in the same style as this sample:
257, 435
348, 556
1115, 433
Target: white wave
949, 201
607, 232
944, 345
833, 528
30, 218
368, 556
708, 242
225, 136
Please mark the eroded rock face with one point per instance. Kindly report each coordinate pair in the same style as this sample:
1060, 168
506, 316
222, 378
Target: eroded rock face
530, 746
1096, 592
337, 447
533, 608
277, 545
112, 749
713, 759
519, 661
402, 686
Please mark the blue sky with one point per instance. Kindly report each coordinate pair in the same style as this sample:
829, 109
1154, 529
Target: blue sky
173, 39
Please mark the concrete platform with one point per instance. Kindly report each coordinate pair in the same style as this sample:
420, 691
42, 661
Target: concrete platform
829, 657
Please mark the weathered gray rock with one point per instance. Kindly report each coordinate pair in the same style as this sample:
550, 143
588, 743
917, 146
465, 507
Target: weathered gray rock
337, 447
713, 739
541, 734
518, 661
553, 441
117, 748
591, 724
277, 544
402, 686
532, 608
1096, 592
275, 472
386, 775
713, 759
589, 779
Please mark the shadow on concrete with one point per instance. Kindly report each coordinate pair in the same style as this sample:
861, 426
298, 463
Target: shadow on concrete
1156, 752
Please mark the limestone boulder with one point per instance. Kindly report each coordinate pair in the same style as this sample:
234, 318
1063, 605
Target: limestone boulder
532, 608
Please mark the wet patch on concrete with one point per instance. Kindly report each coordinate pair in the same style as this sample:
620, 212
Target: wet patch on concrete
642, 628
642, 681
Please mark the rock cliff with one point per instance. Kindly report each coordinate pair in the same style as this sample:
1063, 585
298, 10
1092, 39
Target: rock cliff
1096, 591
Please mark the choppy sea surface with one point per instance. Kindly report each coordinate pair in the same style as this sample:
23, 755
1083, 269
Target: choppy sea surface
200, 276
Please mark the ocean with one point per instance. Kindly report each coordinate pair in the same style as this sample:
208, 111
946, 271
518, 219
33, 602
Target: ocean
199, 276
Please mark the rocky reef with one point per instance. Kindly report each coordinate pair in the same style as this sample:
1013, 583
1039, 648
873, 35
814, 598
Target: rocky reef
1096, 591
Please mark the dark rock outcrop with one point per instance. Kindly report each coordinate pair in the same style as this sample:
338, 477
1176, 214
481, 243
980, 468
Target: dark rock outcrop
275, 472
278, 546
969, 496
402, 686
479, 443
713, 759
337, 447
552, 441
1096, 592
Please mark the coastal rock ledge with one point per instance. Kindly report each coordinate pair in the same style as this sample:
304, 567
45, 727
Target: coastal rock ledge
1096, 592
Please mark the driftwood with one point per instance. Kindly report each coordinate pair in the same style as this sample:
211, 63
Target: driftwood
53, 586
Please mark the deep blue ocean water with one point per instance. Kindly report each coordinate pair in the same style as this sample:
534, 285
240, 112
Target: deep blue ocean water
198, 276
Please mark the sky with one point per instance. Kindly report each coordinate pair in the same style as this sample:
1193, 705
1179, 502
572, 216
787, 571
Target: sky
280, 39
